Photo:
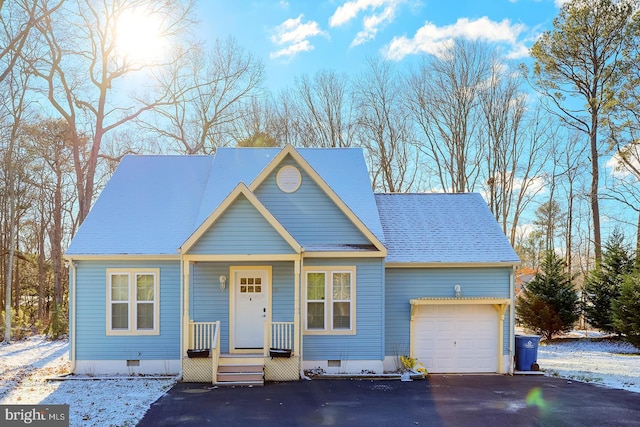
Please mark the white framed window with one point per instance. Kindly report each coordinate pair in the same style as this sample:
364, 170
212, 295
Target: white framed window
133, 301
329, 300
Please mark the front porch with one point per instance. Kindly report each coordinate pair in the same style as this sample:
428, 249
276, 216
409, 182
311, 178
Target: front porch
256, 299
244, 369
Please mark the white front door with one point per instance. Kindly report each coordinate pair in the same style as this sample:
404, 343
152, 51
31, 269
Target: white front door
251, 307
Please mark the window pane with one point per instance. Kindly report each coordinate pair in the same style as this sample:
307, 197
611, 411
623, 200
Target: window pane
145, 316
341, 286
144, 287
119, 287
341, 315
315, 315
315, 286
120, 316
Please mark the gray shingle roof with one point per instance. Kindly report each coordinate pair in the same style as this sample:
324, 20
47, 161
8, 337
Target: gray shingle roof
442, 228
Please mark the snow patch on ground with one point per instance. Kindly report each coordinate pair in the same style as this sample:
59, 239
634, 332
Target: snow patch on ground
26, 369
604, 362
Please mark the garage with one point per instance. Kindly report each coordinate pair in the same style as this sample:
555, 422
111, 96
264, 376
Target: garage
456, 336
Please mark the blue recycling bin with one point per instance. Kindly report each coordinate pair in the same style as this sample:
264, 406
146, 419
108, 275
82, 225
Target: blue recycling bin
527, 352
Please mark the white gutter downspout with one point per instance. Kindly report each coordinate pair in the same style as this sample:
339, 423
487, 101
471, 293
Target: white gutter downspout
72, 315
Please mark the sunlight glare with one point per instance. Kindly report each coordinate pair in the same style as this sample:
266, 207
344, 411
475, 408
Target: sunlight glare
139, 36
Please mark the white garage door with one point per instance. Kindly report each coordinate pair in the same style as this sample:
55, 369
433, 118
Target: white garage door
456, 338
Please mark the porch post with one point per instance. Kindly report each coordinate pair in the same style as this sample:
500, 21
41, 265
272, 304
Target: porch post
296, 309
186, 271
501, 309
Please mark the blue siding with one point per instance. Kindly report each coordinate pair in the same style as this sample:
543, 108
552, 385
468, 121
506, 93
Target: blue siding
408, 283
368, 343
308, 214
209, 304
241, 229
92, 342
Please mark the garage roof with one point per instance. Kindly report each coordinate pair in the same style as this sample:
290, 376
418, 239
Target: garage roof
442, 228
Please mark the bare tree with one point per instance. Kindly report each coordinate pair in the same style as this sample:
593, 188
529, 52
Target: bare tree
14, 106
624, 130
211, 91
256, 126
384, 128
444, 96
85, 68
579, 60
49, 143
17, 20
573, 165
517, 144
324, 110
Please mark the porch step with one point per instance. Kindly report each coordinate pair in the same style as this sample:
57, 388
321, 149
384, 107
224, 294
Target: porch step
240, 384
241, 359
225, 377
240, 370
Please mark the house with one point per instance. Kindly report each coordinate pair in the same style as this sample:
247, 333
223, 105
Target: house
288, 249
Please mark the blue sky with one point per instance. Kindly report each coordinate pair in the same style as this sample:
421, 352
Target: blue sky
293, 38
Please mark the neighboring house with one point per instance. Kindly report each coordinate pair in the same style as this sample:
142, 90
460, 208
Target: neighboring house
260, 248
523, 277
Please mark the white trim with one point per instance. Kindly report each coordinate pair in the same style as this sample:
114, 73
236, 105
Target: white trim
242, 258
346, 366
125, 257
512, 322
328, 300
217, 213
132, 303
450, 264
343, 254
289, 179
119, 367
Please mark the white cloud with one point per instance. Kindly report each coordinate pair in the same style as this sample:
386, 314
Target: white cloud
293, 34
371, 25
560, 3
619, 170
432, 39
382, 12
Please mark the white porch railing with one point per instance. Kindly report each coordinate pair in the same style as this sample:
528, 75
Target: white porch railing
280, 335
202, 335
206, 336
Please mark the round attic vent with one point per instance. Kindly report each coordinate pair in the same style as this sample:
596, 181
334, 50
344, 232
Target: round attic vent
289, 179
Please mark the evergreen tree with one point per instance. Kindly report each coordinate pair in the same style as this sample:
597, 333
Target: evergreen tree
626, 309
549, 303
602, 286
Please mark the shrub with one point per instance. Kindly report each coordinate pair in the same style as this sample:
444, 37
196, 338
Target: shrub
549, 303
602, 286
626, 309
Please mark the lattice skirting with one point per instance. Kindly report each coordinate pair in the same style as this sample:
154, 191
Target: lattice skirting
197, 370
282, 368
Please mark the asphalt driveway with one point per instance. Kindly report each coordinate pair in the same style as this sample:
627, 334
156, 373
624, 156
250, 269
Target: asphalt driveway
440, 400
